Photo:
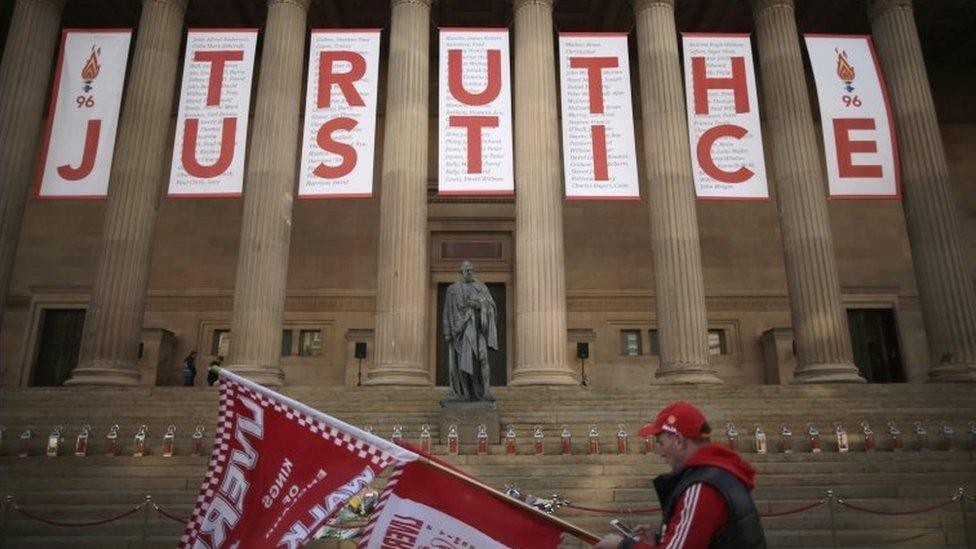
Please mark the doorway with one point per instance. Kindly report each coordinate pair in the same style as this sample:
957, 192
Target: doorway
496, 359
874, 339
60, 341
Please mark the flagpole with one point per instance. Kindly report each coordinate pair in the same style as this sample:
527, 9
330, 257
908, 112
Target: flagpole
580, 533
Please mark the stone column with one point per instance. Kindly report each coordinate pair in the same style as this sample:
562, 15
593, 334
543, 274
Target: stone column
539, 273
401, 281
269, 182
945, 284
113, 323
24, 75
823, 345
679, 290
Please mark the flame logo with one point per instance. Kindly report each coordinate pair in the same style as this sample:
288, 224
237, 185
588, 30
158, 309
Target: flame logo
845, 71
90, 71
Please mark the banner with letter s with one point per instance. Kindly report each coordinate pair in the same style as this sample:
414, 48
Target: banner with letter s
76, 155
858, 130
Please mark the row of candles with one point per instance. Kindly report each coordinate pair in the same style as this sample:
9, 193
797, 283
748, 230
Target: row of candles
760, 443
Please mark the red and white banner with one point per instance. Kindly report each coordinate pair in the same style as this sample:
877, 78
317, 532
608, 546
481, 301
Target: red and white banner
211, 128
858, 130
422, 506
279, 470
599, 155
76, 157
338, 141
475, 113
723, 117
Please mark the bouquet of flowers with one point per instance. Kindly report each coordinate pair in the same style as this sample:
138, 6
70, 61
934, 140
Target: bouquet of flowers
349, 522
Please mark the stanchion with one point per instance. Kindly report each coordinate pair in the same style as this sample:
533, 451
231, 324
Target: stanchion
146, 508
965, 520
830, 518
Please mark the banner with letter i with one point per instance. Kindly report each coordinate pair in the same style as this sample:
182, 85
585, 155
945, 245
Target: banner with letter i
723, 117
475, 113
599, 154
211, 127
76, 155
858, 130
338, 140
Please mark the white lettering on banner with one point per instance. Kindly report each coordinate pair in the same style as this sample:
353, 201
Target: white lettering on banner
283, 473
76, 155
338, 140
723, 117
599, 155
300, 530
227, 506
211, 127
408, 524
475, 113
858, 130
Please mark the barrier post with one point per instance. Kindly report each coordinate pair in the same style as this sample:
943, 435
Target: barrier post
830, 518
146, 509
965, 521
7, 505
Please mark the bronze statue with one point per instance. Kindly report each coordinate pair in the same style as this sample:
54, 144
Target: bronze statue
470, 330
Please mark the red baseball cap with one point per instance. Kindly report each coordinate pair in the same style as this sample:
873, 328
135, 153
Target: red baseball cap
680, 417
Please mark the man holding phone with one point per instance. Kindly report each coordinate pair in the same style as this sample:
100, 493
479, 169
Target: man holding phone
705, 500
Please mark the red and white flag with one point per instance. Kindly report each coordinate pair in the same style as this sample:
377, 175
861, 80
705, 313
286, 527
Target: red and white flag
424, 506
279, 470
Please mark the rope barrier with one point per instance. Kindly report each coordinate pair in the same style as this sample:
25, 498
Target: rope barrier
800, 509
52, 522
625, 511
911, 538
919, 511
171, 517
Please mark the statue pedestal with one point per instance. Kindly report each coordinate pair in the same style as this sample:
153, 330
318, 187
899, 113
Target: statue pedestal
467, 416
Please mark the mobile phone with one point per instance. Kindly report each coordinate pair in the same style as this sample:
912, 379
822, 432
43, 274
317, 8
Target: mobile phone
621, 527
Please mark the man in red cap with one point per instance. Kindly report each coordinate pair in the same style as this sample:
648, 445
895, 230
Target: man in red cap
705, 499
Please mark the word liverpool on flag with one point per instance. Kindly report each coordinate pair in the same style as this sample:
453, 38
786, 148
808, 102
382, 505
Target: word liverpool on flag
424, 506
76, 157
858, 131
279, 470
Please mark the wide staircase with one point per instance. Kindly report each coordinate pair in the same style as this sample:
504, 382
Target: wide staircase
879, 499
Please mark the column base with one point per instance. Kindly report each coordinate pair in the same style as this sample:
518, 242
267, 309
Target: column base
834, 372
107, 374
543, 375
397, 375
687, 375
953, 373
269, 376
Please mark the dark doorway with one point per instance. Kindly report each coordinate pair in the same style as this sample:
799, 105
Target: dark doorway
875, 342
496, 359
57, 353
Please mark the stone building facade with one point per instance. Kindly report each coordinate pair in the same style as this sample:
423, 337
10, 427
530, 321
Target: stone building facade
664, 290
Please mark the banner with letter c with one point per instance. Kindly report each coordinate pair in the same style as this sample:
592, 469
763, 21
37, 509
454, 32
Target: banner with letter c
723, 117
858, 130
599, 153
76, 157
338, 141
211, 128
474, 113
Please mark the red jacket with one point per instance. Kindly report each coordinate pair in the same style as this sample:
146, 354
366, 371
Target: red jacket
701, 512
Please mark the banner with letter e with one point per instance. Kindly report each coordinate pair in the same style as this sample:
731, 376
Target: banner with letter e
858, 130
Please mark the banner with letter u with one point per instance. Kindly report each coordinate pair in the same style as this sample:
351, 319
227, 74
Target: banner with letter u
338, 141
723, 117
475, 113
858, 130
76, 157
599, 153
211, 128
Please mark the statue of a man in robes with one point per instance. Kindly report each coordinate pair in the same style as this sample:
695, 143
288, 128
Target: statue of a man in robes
470, 330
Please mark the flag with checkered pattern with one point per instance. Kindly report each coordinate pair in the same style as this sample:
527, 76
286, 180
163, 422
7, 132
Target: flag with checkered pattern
279, 470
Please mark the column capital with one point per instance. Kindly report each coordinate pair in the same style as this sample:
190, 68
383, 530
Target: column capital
762, 5
878, 8
300, 4
178, 4
641, 5
423, 3
519, 4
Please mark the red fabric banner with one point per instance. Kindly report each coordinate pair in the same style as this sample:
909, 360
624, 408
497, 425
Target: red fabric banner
279, 470
422, 506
